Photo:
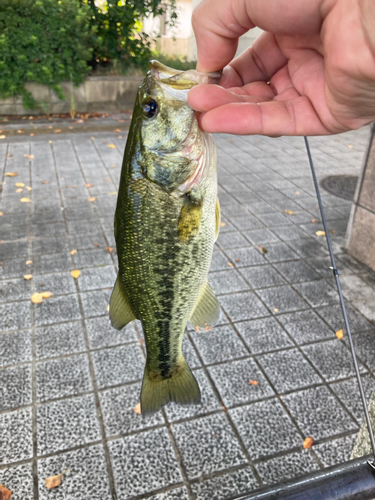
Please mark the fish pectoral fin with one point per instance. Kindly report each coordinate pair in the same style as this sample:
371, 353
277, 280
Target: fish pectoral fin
180, 388
190, 219
207, 310
217, 218
120, 312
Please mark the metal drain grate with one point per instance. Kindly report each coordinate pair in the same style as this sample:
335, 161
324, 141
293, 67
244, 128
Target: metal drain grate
342, 186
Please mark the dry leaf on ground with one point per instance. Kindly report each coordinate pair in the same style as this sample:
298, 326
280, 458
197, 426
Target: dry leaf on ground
89, 185
109, 249
350, 146
19, 190
262, 249
223, 224
73, 252
10, 174
314, 221
92, 198
29, 188
120, 121
5, 494
2, 136
113, 193
340, 334
308, 442
36, 298
30, 157
46, 295
27, 277
275, 310
19, 184
57, 131
297, 192
117, 130
28, 262
113, 146
25, 200
54, 481
44, 182
290, 212
1, 214
137, 409
253, 382
96, 245
320, 233
75, 273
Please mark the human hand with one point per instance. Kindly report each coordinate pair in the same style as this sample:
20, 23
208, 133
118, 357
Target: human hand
311, 72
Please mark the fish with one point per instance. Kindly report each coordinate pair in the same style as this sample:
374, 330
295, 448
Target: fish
167, 220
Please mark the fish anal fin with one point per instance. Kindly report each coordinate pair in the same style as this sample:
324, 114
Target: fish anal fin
217, 218
206, 313
180, 388
120, 312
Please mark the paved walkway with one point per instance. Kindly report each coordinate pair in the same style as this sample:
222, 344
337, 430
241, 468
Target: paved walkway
69, 382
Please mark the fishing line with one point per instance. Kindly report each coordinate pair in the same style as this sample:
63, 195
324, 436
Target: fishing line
336, 275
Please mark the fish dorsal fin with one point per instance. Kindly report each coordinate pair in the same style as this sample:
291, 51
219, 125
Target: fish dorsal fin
120, 312
217, 218
207, 310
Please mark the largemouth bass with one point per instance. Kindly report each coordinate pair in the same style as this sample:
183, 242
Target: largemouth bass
166, 222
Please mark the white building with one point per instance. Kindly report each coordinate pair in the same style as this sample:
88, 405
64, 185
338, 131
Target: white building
180, 39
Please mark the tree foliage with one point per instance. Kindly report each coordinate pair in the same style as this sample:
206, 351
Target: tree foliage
45, 41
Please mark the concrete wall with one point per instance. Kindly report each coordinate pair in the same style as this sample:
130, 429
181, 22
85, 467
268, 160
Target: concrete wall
102, 94
361, 227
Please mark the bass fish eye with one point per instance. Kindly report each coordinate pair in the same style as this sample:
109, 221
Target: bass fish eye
150, 108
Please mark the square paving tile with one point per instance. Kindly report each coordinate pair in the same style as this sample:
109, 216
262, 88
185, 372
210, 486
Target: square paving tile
333, 316
59, 340
233, 381
242, 257
262, 276
13, 268
308, 247
317, 293
102, 334
263, 335
16, 437
118, 365
143, 463
241, 306
15, 348
20, 481
15, 316
335, 451
95, 303
348, 392
260, 236
227, 282
364, 344
100, 277
218, 446
51, 263
15, 387
67, 423
57, 309
63, 377
92, 258
305, 326
297, 271
175, 494
219, 344
15, 289
288, 370
282, 298
246, 223
278, 252
87, 478
318, 413
219, 261
231, 240
57, 283
265, 428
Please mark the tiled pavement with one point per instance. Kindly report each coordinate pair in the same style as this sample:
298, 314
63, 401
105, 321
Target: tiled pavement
69, 382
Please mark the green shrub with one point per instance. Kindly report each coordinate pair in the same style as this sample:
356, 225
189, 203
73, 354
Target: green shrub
44, 41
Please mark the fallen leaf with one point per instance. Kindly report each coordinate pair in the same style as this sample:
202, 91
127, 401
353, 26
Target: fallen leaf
314, 221
5, 494
290, 212
109, 249
297, 192
117, 130
54, 481
120, 137
113, 146
120, 121
108, 307
30, 157
75, 273
96, 245
19, 184
36, 298
223, 408
308, 442
2, 136
137, 409
25, 200
89, 185
32, 135
28, 262
19, 190
1, 214
20, 131
332, 231
46, 295
57, 130
237, 260
113, 166
44, 182
29, 188
91, 199
350, 146
223, 224
320, 233
113, 193
50, 141
262, 249
73, 252
340, 334
92, 138
27, 277
11, 174
9, 154
275, 310
230, 264
253, 382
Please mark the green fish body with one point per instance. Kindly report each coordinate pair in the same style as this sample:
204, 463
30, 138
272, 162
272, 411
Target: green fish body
166, 223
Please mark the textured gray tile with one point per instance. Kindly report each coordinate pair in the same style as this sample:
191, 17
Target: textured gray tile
288, 370
282, 298
260, 236
247, 223
289, 233
95, 303
265, 428
15, 348
219, 344
20, 481
102, 334
87, 478
67, 423
289, 466
100, 277
364, 344
263, 335
209, 401
241, 306
15, 387
227, 282
13, 268
190, 353
57, 309
14, 249
335, 451
118, 365
219, 261
216, 441
231, 240
59, 340
117, 407
262, 276
233, 382
305, 326
50, 245
318, 413
308, 247
297, 271
143, 463
242, 257
176, 494
14, 289
333, 316
348, 392
278, 252
63, 377
228, 485
58, 283
16, 437
92, 258
317, 293
15, 316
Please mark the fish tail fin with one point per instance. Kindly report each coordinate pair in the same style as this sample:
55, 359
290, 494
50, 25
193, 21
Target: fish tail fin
181, 388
